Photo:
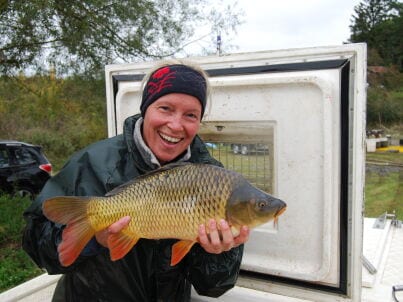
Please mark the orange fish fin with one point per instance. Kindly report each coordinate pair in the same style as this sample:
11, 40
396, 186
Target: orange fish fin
120, 244
179, 250
65, 209
74, 238
72, 212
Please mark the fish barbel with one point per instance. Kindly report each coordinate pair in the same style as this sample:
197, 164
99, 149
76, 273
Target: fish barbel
170, 202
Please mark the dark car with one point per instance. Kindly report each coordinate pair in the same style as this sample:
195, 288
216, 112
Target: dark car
24, 169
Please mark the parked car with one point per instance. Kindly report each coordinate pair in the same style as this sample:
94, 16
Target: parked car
24, 169
245, 149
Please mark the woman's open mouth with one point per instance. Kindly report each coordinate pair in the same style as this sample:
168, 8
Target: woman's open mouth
170, 139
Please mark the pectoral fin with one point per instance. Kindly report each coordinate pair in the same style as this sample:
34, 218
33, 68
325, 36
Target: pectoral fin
180, 249
74, 238
120, 244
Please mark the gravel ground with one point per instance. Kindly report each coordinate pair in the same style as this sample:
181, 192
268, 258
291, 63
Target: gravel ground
383, 169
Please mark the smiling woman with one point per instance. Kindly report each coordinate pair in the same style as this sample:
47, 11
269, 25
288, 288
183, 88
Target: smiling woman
170, 125
172, 106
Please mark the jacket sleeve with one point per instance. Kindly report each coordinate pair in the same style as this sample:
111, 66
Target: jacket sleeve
41, 236
212, 275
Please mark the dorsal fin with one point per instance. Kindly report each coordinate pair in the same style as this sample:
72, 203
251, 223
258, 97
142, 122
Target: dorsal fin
167, 167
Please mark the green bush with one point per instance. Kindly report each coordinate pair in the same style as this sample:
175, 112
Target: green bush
15, 265
61, 115
383, 107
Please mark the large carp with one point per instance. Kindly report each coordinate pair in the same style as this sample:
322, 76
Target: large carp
170, 202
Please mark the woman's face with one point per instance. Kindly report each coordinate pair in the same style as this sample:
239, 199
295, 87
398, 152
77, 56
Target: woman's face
170, 124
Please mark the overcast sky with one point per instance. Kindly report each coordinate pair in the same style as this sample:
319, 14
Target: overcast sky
280, 24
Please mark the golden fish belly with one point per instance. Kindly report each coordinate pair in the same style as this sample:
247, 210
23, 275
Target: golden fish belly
166, 206
157, 219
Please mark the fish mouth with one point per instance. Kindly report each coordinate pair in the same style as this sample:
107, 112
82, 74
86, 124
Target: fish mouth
278, 213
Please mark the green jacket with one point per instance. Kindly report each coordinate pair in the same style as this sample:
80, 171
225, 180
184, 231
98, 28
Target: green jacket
144, 274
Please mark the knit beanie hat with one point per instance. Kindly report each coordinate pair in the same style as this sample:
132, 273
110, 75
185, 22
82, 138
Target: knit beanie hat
174, 79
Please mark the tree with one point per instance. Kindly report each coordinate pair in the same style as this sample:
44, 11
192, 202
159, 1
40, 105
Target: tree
369, 14
379, 23
83, 36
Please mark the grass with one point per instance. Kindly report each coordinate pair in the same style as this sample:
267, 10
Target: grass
383, 193
384, 184
16, 267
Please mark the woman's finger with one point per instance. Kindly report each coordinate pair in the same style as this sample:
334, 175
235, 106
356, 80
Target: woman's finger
119, 225
243, 236
214, 237
227, 237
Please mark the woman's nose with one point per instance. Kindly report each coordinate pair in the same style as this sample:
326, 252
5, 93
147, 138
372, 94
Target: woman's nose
175, 123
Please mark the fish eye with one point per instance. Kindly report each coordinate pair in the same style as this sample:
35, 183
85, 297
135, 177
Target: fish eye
262, 204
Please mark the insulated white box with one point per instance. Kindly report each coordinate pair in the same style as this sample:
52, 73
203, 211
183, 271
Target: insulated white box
308, 105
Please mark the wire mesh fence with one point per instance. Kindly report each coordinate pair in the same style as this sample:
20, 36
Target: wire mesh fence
253, 160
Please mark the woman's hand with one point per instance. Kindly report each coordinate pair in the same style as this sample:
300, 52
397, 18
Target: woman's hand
220, 238
102, 236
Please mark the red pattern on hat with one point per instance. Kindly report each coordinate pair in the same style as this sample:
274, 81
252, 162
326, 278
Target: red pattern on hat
175, 78
161, 72
162, 79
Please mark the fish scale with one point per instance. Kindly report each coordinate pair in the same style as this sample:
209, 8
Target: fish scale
168, 203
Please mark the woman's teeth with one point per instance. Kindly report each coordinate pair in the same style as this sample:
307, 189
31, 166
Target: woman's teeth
169, 138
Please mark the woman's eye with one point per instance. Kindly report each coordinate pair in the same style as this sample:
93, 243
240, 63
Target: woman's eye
191, 115
164, 108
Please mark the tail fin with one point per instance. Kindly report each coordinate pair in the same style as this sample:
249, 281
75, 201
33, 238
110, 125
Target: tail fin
72, 212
